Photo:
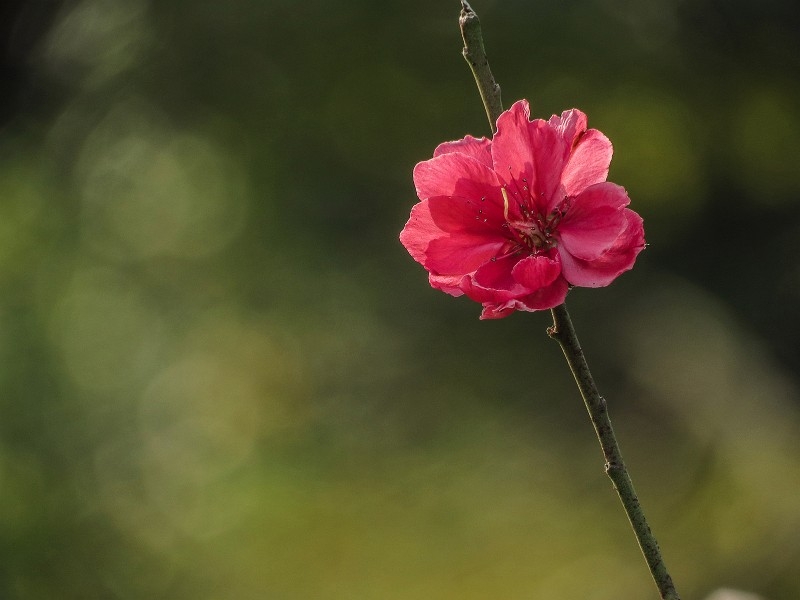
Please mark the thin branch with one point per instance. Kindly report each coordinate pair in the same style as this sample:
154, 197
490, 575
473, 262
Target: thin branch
475, 55
564, 333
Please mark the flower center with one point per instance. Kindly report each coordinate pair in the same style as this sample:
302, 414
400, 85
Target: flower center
533, 232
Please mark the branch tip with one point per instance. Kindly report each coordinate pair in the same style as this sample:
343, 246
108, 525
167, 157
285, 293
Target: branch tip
475, 55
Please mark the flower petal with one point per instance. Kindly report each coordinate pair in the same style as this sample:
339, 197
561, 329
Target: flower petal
478, 148
512, 149
536, 272
546, 298
493, 282
549, 153
456, 175
612, 263
529, 155
444, 236
570, 126
497, 311
593, 221
419, 231
588, 164
449, 284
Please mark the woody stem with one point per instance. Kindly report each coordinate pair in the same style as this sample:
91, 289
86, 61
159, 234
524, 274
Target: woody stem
475, 55
564, 333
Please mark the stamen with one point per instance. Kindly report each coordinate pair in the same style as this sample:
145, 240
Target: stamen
506, 252
505, 202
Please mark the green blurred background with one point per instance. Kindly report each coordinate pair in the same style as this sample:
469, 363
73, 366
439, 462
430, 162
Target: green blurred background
222, 377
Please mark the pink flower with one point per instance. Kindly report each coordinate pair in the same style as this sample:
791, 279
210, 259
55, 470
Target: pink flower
515, 221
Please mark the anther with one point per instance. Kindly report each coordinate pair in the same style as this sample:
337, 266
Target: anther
505, 202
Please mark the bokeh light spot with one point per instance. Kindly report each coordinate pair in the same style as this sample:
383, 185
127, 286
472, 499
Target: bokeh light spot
107, 332
97, 40
21, 215
766, 133
149, 191
656, 152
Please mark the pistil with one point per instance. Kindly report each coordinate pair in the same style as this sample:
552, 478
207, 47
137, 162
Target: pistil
529, 233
